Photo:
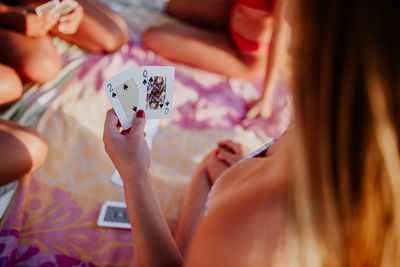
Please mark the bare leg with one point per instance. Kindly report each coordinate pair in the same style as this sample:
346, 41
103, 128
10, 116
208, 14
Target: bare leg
210, 14
211, 51
10, 85
34, 59
101, 30
22, 151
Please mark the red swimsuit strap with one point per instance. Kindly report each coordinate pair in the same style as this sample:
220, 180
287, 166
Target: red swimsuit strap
247, 45
267, 5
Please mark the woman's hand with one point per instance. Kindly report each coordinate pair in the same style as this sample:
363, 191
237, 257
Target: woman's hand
212, 166
262, 108
25, 20
222, 158
128, 150
69, 23
231, 152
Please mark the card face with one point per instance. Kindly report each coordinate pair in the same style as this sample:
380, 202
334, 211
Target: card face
158, 84
128, 95
114, 214
46, 8
125, 96
66, 7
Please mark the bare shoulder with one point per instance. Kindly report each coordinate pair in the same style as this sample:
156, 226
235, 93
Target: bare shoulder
245, 221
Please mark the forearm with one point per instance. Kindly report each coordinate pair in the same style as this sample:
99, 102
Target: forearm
277, 51
193, 208
154, 243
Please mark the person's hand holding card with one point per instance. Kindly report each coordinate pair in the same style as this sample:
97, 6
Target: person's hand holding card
69, 12
71, 16
149, 89
128, 151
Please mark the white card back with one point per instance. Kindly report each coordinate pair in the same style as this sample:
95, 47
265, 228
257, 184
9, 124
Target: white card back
47, 8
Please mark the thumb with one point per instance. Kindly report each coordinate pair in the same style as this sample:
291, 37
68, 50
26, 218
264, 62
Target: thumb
138, 123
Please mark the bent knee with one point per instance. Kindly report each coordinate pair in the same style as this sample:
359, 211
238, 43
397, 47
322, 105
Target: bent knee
23, 151
38, 149
40, 67
10, 86
34, 144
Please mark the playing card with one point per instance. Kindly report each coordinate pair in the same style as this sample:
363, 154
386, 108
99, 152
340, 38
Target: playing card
128, 95
46, 8
158, 84
66, 7
125, 96
114, 214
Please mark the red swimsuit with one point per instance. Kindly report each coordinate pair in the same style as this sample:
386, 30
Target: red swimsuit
244, 44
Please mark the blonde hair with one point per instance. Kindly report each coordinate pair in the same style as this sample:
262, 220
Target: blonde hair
346, 195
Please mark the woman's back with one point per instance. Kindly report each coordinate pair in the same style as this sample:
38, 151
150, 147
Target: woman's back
245, 221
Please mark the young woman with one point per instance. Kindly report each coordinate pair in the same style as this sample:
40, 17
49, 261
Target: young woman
28, 49
242, 38
329, 193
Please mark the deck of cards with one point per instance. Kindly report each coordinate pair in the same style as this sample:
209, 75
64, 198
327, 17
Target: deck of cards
55, 6
149, 88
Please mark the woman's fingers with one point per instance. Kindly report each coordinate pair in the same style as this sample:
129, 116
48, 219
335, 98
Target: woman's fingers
69, 23
230, 145
138, 124
227, 156
111, 124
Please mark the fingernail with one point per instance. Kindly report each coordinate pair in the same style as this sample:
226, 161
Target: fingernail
140, 114
217, 153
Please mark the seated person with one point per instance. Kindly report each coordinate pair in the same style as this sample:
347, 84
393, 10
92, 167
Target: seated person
217, 36
235, 38
28, 49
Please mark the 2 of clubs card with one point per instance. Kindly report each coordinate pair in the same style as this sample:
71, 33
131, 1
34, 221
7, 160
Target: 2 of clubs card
149, 88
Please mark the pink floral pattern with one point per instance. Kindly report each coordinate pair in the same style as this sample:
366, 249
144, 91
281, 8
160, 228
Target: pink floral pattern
63, 230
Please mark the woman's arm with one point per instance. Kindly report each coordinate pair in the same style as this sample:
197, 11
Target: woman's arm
130, 154
263, 107
193, 208
154, 243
